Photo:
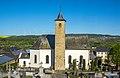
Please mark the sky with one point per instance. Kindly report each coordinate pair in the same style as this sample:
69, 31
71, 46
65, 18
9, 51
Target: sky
36, 17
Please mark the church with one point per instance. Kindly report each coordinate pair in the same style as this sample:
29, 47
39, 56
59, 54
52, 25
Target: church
58, 50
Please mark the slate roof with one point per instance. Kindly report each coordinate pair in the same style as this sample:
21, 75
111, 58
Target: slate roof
4, 59
7, 53
17, 52
72, 42
25, 56
102, 49
92, 56
60, 17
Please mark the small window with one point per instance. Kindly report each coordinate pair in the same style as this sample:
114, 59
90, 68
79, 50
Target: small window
47, 59
35, 59
60, 25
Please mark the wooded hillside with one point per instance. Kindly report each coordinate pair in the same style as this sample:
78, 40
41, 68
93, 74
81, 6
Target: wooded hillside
25, 42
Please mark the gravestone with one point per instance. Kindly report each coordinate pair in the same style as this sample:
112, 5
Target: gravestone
16, 74
41, 71
59, 75
98, 75
41, 74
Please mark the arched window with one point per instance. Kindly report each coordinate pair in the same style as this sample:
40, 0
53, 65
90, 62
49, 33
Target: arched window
47, 59
24, 63
81, 61
69, 59
60, 25
35, 59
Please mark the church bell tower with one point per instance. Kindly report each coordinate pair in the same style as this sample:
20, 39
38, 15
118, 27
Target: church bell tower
60, 42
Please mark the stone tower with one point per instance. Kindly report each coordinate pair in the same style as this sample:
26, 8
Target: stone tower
60, 42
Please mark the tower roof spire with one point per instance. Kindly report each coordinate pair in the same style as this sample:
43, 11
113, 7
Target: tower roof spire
60, 16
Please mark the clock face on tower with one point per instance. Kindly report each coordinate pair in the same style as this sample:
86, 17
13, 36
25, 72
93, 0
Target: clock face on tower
60, 25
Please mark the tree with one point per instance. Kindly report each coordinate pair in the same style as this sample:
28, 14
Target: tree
96, 68
115, 55
81, 62
74, 64
92, 65
96, 61
84, 64
99, 62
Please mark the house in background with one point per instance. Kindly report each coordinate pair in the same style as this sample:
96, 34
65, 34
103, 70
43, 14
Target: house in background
12, 56
102, 52
24, 60
5, 61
